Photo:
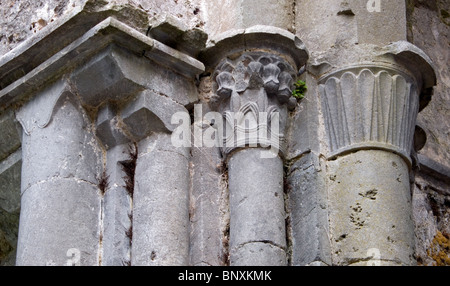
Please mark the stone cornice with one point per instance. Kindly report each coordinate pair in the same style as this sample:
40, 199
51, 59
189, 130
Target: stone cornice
108, 32
60, 33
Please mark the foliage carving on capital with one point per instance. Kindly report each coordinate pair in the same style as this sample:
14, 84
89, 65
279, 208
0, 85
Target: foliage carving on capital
254, 71
253, 93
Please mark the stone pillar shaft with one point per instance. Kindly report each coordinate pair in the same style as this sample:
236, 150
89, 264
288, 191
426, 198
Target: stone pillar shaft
60, 202
253, 91
257, 222
371, 217
370, 112
161, 204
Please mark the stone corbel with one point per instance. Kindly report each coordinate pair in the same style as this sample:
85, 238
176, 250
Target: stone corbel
153, 109
373, 104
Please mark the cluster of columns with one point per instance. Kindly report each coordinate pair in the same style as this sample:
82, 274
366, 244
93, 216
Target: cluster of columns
102, 183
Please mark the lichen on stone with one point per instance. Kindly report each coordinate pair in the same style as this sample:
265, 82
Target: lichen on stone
439, 249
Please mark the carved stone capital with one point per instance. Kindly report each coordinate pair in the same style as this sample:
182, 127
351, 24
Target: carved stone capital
374, 104
253, 72
252, 92
369, 107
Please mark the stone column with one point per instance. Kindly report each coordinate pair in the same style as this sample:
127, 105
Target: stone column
59, 220
253, 91
370, 110
160, 191
116, 201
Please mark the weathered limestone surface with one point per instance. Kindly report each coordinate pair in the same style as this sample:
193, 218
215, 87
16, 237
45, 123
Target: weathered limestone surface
59, 219
161, 204
308, 211
257, 222
21, 20
67, 138
60, 204
370, 207
431, 215
343, 24
208, 209
237, 14
428, 24
117, 209
430, 32
87, 93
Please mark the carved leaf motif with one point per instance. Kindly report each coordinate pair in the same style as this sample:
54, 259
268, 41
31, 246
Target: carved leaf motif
285, 87
253, 85
370, 107
270, 77
225, 83
254, 71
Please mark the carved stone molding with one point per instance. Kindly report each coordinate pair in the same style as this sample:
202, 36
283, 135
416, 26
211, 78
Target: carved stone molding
370, 107
252, 92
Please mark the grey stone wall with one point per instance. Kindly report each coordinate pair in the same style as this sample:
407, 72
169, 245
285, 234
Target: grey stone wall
314, 186
428, 23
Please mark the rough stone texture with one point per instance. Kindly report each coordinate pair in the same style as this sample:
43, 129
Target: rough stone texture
10, 175
431, 209
305, 131
22, 19
237, 14
65, 147
257, 213
430, 32
259, 254
308, 210
208, 204
60, 204
161, 204
428, 24
332, 29
116, 209
370, 208
380, 26
58, 218
337, 33
346, 23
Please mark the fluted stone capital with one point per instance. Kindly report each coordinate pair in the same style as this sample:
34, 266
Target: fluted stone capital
374, 104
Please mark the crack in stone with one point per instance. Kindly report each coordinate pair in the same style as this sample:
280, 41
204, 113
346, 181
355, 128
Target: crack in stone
263, 242
55, 178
